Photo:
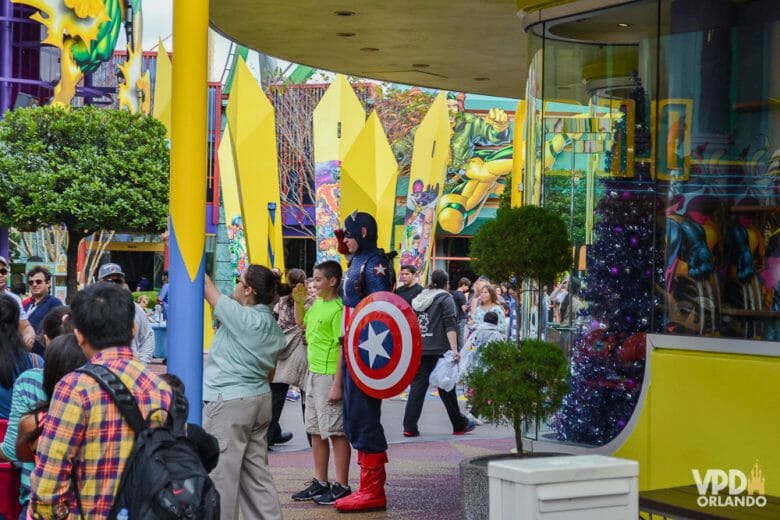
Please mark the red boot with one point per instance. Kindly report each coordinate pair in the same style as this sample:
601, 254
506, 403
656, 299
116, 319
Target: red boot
371, 495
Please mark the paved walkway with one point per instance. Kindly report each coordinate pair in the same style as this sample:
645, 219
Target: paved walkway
422, 479
422, 476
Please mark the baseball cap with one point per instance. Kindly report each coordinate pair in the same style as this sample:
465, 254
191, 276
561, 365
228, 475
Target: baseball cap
4, 261
109, 269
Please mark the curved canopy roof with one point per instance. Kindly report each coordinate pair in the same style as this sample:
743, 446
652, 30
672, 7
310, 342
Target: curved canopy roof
474, 46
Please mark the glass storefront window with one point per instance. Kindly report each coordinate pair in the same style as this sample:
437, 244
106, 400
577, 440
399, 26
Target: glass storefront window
717, 154
653, 129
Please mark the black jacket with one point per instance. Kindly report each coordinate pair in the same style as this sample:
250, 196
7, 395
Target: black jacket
436, 313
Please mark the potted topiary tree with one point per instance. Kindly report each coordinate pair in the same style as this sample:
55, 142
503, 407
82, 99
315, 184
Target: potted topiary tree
513, 382
510, 385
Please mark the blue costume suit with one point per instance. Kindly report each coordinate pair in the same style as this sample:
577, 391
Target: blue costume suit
362, 413
369, 271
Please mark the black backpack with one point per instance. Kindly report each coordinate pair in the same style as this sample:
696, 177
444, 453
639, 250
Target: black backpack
164, 477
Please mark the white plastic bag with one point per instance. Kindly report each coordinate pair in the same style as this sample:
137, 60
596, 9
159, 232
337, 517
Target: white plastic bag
445, 374
467, 357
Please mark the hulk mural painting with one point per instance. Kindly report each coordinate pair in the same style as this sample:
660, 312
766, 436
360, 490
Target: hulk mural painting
474, 174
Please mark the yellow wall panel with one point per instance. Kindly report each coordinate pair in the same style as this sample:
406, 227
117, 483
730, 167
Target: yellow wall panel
368, 177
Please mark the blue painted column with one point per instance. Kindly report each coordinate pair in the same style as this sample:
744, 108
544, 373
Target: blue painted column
188, 196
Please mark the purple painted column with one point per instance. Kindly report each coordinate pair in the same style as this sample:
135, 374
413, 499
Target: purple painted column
6, 54
6, 69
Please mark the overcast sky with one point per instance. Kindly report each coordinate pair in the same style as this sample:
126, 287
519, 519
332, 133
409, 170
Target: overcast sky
158, 23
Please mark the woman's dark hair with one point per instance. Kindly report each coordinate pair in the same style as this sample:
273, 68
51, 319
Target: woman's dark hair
55, 322
439, 279
266, 285
295, 276
63, 355
13, 356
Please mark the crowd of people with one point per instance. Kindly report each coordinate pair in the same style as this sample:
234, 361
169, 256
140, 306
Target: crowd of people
276, 334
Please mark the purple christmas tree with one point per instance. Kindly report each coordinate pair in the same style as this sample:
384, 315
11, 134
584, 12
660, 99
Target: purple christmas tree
623, 266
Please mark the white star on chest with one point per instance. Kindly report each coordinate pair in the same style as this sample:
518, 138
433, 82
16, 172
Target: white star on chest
380, 270
373, 345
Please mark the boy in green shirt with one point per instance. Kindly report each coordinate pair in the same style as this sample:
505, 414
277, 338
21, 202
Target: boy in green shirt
324, 412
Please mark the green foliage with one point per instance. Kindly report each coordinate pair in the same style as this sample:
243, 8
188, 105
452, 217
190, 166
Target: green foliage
505, 199
401, 112
563, 191
527, 242
510, 385
150, 295
88, 168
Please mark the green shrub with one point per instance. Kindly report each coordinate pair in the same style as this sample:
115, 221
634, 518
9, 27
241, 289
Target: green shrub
152, 295
510, 384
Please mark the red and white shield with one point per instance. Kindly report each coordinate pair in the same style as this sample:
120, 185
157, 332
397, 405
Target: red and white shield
384, 345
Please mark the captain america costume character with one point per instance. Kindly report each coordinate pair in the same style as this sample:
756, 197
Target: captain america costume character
370, 270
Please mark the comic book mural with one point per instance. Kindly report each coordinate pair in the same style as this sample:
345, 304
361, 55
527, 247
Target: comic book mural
481, 151
428, 170
418, 224
231, 198
236, 245
326, 175
721, 243
336, 122
86, 34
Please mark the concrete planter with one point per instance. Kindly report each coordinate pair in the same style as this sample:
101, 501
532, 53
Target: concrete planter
475, 484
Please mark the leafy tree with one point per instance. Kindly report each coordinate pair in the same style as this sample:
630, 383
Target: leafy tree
87, 168
526, 243
510, 385
401, 112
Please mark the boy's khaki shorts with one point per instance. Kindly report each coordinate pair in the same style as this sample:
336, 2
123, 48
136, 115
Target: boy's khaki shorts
323, 418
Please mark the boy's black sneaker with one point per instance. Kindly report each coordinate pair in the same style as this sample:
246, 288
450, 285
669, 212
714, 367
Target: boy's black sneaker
315, 489
335, 492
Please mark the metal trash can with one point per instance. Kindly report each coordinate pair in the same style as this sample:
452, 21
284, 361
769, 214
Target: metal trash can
584, 487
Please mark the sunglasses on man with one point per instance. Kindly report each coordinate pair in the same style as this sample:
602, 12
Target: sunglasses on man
36, 282
3, 271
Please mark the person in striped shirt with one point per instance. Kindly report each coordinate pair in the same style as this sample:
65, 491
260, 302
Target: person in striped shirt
84, 436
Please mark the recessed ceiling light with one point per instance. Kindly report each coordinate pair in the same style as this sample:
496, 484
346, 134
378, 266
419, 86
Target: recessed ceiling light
369, 49
623, 25
420, 65
346, 35
481, 79
344, 13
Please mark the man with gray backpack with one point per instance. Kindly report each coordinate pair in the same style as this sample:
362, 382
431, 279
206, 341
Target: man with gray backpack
113, 442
